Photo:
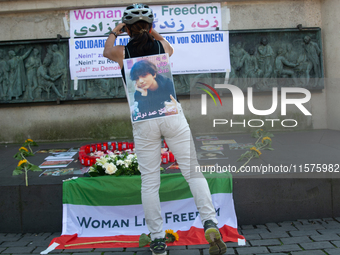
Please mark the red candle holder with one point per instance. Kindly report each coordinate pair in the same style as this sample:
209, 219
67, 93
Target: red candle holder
165, 158
99, 146
87, 161
82, 160
125, 146
81, 155
92, 161
105, 146
120, 146
131, 146
165, 145
87, 148
171, 157
113, 146
93, 148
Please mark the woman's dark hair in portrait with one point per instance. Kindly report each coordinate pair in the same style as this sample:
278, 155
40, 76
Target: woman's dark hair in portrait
142, 68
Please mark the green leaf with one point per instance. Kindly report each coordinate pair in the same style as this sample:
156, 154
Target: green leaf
271, 149
17, 172
18, 156
144, 240
35, 168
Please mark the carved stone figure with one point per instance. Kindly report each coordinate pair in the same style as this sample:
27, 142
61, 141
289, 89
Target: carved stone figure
280, 71
45, 81
311, 60
58, 66
265, 58
290, 54
238, 55
251, 70
32, 64
4, 69
313, 51
17, 77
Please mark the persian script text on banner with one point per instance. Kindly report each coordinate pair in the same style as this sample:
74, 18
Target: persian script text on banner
168, 18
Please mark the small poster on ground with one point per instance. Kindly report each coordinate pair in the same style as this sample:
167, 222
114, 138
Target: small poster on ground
57, 172
206, 137
150, 87
213, 147
61, 155
218, 142
56, 163
210, 155
240, 146
52, 150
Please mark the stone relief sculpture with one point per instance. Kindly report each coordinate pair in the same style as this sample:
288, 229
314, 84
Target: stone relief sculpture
38, 71
280, 70
294, 57
251, 69
17, 76
4, 79
265, 58
46, 81
32, 64
58, 66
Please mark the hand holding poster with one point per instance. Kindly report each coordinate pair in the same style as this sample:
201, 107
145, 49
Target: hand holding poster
150, 87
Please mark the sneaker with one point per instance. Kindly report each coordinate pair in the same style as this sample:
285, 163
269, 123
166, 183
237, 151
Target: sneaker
214, 238
158, 247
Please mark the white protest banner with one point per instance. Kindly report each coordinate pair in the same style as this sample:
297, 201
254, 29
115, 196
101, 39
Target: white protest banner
168, 18
87, 60
201, 52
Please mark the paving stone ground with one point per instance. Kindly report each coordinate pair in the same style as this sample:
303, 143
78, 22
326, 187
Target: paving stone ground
300, 237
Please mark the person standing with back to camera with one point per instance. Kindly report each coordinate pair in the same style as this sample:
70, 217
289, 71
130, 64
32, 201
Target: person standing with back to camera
144, 41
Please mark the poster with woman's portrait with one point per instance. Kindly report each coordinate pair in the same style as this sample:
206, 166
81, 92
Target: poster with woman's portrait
150, 87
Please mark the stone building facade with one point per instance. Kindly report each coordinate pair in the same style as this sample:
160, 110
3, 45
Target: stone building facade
107, 119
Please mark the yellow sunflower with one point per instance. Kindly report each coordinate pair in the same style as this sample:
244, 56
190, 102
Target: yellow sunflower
22, 162
254, 149
266, 138
23, 148
171, 235
29, 140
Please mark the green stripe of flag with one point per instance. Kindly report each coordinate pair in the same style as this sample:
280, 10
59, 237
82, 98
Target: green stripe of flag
126, 190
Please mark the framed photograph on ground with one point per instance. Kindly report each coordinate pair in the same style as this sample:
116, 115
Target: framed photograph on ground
240, 146
149, 87
61, 156
56, 163
218, 142
213, 147
52, 150
57, 172
206, 137
205, 155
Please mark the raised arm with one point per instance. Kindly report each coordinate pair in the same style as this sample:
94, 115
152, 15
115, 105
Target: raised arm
115, 53
167, 46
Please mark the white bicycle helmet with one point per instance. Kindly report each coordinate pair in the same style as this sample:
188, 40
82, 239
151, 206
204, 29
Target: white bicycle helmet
137, 12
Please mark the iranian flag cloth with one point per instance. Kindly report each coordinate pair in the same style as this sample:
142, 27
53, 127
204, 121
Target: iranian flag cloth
107, 212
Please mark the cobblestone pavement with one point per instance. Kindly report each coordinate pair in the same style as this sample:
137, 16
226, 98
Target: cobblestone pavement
300, 237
